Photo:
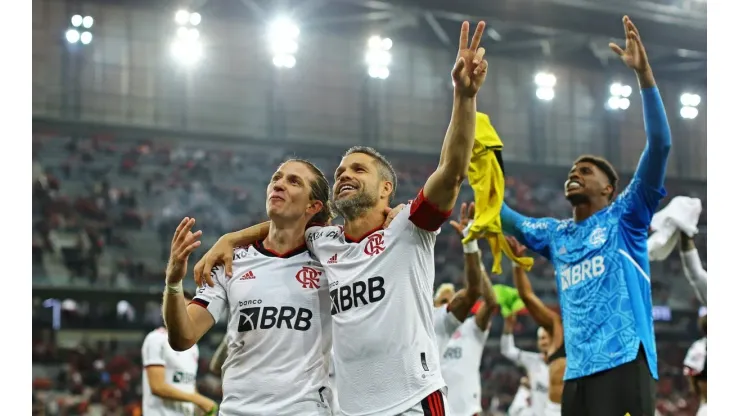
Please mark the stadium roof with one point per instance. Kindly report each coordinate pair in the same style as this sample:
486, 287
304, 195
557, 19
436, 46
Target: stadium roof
573, 32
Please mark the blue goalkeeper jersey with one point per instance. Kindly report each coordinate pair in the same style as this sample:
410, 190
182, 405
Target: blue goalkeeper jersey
601, 264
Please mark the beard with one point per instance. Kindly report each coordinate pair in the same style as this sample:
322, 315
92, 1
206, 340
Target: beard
578, 199
353, 207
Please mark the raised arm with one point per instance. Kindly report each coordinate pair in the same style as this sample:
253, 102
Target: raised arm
526, 359
468, 75
693, 268
485, 312
651, 169
543, 315
533, 232
464, 300
223, 251
184, 325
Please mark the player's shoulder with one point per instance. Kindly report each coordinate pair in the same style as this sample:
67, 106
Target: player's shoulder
156, 335
323, 233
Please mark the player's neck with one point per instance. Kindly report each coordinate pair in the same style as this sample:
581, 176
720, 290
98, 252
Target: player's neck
283, 238
584, 210
364, 224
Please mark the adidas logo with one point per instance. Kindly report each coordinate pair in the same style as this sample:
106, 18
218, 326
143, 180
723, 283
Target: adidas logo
332, 259
248, 275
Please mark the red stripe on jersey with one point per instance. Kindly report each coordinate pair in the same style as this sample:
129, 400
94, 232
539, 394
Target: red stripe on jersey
357, 240
441, 402
260, 246
199, 302
154, 365
426, 215
476, 306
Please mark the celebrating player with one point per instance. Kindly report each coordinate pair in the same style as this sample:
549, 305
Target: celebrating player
695, 368
278, 331
538, 373
450, 311
692, 268
601, 262
522, 404
168, 383
553, 326
463, 352
385, 353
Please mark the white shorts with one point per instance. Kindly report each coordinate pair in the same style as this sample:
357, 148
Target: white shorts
702, 410
552, 409
433, 405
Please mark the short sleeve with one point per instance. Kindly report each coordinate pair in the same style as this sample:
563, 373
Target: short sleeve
445, 323
426, 215
470, 327
152, 352
213, 298
312, 234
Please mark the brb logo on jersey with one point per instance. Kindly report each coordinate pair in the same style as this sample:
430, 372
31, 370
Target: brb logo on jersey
308, 277
183, 377
357, 294
375, 245
265, 317
587, 269
452, 353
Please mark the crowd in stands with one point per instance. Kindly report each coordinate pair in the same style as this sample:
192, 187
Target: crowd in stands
105, 208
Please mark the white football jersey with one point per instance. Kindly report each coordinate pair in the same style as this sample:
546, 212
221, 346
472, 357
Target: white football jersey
461, 368
180, 369
445, 324
537, 371
695, 362
381, 289
522, 404
278, 333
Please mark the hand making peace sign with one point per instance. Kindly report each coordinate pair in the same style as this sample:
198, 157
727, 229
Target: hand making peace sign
470, 68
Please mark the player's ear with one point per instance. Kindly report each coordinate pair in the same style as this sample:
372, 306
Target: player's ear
386, 189
314, 207
607, 190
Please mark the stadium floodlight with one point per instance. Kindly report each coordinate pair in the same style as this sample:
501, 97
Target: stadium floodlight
378, 57
283, 34
86, 38
689, 104
545, 83
77, 33
195, 19
619, 96
73, 36
182, 17
186, 47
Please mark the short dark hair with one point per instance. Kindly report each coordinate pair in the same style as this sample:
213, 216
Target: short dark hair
604, 166
320, 191
384, 166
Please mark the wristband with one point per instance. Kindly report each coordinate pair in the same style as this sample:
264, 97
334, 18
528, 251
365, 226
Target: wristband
173, 288
470, 247
515, 265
